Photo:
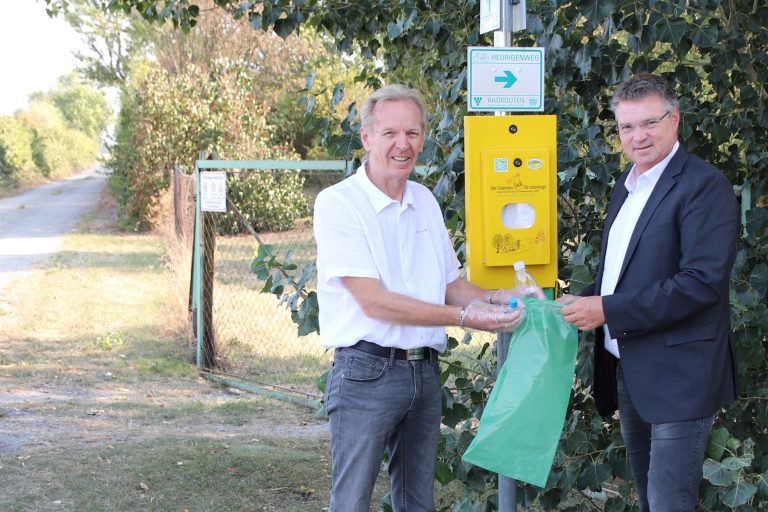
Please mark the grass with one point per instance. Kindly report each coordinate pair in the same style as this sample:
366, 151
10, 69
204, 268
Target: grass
255, 335
96, 286
171, 473
102, 410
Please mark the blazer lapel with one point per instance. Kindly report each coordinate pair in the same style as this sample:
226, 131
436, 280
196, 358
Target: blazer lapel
666, 182
618, 197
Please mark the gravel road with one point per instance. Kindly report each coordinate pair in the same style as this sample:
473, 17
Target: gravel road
32, 223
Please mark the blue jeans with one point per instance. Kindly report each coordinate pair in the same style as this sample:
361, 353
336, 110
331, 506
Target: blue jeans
376, 404
666, 458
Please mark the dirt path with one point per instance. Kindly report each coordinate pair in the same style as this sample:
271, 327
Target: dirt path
32, 223
49, 417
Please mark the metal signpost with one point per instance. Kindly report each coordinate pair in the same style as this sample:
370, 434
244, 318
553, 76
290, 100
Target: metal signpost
503, 16
501, 80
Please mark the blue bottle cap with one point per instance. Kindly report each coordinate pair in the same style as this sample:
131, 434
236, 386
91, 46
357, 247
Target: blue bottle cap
513, 303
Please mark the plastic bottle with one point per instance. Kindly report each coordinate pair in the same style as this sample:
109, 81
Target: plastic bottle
525, 284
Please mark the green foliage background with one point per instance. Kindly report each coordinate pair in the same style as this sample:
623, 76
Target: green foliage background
715, 51
16, 163
267, 200
58, 133
166, 120
222, 88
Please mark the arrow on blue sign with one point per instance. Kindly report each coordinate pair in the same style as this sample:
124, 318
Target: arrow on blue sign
508, 79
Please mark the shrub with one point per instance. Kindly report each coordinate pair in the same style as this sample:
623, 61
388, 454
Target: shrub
84, 108
16, 163
57, 149
166, 120
268, 201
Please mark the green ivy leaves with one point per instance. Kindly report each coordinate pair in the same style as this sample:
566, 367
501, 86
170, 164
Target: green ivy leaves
717, 55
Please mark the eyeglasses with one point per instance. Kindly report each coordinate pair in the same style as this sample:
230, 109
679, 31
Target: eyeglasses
646, 126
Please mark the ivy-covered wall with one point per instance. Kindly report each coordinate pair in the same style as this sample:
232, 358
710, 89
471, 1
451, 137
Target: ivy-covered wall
715, 51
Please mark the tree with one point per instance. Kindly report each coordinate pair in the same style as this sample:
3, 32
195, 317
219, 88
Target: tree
112, 40
16, 163
123, 46
277, 67
57, 149
84, 108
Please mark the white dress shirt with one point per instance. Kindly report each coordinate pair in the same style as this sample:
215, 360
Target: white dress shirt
639, 187
362, 232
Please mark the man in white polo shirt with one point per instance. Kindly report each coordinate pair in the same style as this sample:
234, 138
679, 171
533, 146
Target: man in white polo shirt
660, 306
388, 284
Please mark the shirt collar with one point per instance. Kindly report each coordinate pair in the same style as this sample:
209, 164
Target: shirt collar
379, 200
650, 177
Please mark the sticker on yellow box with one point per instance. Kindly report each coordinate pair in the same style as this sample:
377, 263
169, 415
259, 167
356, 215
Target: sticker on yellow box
516, 205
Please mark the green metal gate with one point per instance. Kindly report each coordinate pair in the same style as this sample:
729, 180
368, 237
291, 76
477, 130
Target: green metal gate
245, 337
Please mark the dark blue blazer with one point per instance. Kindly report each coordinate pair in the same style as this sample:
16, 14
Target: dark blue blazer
670, 310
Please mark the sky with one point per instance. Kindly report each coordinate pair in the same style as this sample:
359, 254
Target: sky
35, 51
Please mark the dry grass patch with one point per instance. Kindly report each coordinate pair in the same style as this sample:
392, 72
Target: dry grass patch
101, 410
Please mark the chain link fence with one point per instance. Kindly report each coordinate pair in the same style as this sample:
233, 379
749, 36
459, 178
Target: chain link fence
246, 337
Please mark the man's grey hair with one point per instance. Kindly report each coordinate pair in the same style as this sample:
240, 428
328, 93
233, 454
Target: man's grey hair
642, 85
394, 92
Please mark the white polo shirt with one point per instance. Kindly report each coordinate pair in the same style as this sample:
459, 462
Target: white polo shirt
640, 188
362, 232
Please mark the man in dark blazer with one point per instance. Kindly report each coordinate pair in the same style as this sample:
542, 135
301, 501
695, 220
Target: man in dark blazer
663, 353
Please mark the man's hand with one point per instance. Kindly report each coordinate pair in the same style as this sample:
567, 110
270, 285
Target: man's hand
490, 317
502, 295
586, 313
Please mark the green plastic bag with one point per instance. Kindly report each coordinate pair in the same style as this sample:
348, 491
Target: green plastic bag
523, 419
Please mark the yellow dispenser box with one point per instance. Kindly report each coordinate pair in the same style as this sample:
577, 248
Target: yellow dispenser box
511, 203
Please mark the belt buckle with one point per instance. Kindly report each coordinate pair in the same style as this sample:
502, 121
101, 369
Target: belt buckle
415, 354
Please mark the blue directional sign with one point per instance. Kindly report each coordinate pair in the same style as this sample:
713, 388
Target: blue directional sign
505, 79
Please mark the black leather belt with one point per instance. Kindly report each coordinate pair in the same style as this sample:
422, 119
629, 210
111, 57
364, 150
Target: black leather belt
413, 354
